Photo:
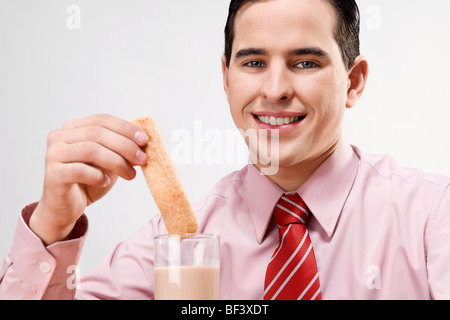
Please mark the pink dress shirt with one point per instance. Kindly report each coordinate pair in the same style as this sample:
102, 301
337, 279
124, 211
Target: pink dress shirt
379, 231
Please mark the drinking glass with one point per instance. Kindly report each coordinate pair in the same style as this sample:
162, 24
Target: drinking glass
187, 267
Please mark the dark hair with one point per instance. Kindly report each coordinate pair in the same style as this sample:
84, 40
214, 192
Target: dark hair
346, 33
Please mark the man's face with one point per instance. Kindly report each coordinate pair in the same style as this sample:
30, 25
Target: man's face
286, 73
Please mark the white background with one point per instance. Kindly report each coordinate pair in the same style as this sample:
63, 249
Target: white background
162, 57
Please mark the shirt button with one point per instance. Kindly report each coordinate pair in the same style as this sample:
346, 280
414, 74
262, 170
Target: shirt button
44, 267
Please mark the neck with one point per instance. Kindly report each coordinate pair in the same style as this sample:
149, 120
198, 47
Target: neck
291, 178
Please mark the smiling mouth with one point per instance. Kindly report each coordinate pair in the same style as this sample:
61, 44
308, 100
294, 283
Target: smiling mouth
279, 121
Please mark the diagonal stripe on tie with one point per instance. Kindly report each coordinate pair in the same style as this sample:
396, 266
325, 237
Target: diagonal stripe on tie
281, 244
292, 273
308, 287
295, 204
291, 213
292, 270
285, 264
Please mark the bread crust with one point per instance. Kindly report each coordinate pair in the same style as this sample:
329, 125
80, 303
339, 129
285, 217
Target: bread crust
164, 183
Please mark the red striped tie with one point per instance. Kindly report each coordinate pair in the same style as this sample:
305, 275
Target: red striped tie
292, 270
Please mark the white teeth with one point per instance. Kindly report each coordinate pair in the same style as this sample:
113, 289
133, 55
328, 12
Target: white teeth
273, 121
277, 121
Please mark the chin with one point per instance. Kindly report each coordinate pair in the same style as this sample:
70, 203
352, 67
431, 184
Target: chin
283, 160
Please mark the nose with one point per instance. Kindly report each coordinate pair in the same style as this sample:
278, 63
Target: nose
277, 86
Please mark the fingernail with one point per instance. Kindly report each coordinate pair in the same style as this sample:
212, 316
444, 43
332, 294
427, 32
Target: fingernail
140, 137
131, 173
141, 157
106, 181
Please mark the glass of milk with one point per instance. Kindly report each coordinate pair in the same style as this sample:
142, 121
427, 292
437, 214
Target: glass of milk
187, 267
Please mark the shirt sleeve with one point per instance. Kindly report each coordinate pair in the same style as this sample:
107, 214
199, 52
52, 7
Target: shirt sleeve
33, 271
438, 260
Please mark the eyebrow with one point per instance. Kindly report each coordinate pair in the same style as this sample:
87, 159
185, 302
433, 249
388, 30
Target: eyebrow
315, 51
250, 52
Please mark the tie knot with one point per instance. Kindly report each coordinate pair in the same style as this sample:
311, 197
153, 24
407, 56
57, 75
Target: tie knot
291, 209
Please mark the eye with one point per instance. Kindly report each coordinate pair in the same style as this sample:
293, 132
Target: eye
307, 65
255, 64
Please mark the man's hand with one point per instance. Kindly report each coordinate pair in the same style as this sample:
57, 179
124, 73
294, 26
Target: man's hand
82, 163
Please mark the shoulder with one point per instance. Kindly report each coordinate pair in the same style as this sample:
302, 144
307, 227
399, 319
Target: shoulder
386, 167
400, 189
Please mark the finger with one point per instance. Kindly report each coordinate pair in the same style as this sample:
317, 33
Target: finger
121, 145
97, 155
72, 173
120, 126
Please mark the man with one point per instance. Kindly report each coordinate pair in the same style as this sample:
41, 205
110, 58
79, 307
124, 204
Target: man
291, 67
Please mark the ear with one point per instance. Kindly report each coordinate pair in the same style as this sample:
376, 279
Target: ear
225, 71
357, 79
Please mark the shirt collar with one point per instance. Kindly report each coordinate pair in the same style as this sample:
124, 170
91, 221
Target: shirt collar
263, 194
325, 192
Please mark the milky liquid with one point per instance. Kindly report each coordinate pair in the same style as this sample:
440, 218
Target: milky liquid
187, 283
